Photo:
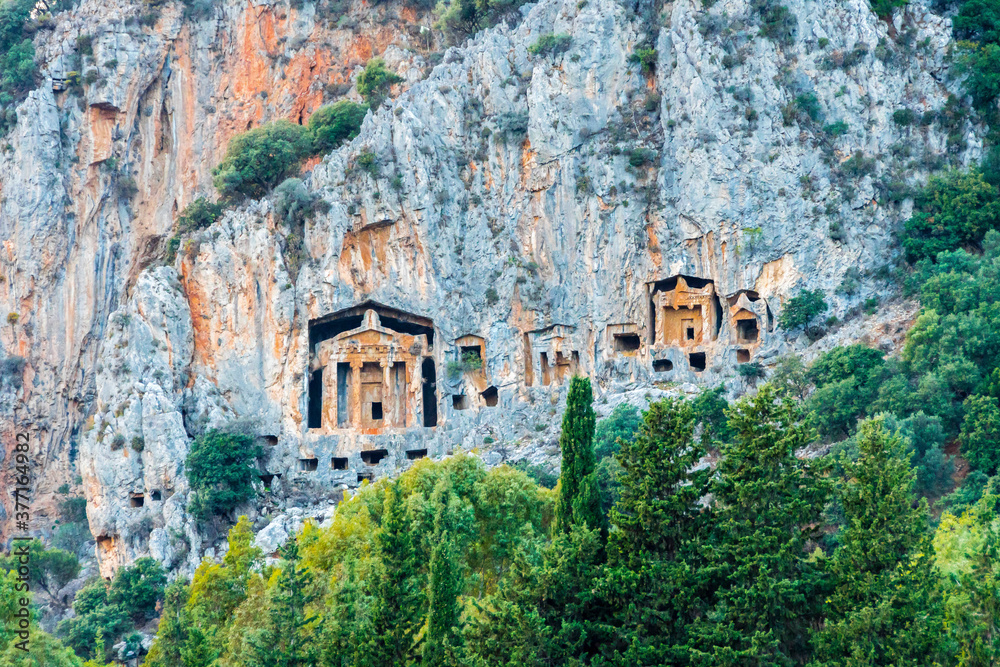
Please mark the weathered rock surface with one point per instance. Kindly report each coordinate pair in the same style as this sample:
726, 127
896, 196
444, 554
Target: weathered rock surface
515, 192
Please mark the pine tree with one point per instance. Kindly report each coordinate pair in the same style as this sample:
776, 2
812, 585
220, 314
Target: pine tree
395, 589
886, 607
286, 639
579, 499
657, 527
172, 631
767, 504
443, 590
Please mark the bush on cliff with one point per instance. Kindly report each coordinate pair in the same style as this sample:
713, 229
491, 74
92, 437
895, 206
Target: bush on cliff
332, 125
259, 159
375, 81
220, 469
955, 210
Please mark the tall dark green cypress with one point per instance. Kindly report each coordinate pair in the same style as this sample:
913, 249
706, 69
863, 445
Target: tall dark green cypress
657, 527
442, 639
395, 589
285, 640
579, 500
767, 507
886, 607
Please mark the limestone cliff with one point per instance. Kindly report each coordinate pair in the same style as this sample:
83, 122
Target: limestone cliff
547, 213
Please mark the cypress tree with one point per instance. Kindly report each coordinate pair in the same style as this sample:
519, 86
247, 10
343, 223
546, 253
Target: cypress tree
767, 504
445, 583
285, 640
579, 499
885, 608
652, 548
395, 590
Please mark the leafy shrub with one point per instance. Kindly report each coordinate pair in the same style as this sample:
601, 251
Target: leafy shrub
802, 309
469, 361
199, 214
492, 296
777, 23
117, 442
622, 423
138, 443
513, 125
808, 104
857, 166
883, 8
220, 469
48, 569
955, 209
294, 204
981, 433
540, 474
259, 159
646, 57
978, 21
375, 81
982, 64
640, 157
333, 124
837, 129
904, 117
551, 44
11, 370
459, 19
73, 510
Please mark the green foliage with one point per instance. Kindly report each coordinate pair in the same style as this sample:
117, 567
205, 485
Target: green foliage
460, 19
334, 124
199, 214
259, 159
883, 8
578, 502
904, 117
802, 309
467, 363
551, 44
220, 469
885, 608
981, 64
837, 129
767, 503
539, 474
981, 433
618, 427
646, 56
375, 81
955, 210
49, 569
777, 23
105, 613
17, 58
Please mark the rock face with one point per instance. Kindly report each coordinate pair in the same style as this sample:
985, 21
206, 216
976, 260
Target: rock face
525, 215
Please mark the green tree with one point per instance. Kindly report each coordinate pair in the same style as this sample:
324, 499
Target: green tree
767, 507
883, 8
138, 588
49, 569
885, 608
579, 499
259, 159
657, 527
445, 582
375, 81
619, 426
172, 631
981, 433
395, 589
286, 639
802, 309
220, 469
199, 214
333, 124
954, 210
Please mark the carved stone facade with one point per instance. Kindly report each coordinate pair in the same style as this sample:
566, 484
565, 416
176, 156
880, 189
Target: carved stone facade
548, 356
370, 378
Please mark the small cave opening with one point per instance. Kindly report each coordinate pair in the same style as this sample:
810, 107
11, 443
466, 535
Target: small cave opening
362, 476
662, 365
490, 397
697, 361
315, 410
137, 500
338, 463
689, 332
266, 479
743, 356
376, 410
308, 465
627, 342
373, 456
414, 454
270, 440
747, 331
460, 401
155, 495
429, 391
